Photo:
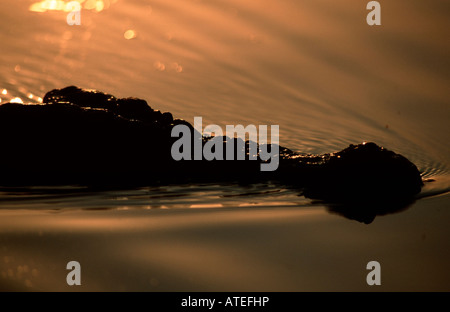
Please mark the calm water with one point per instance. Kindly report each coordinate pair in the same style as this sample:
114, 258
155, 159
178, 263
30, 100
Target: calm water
315, 68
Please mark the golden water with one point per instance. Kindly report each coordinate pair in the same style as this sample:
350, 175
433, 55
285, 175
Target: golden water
315, 68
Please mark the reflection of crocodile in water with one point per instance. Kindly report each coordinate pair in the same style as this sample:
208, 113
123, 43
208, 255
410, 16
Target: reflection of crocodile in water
89, 137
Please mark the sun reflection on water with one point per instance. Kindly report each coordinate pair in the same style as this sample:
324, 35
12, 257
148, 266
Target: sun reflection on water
19, 97
16, 100
130, 34
67, 5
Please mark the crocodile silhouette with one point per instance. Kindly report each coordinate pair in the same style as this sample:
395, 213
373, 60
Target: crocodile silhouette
79, 136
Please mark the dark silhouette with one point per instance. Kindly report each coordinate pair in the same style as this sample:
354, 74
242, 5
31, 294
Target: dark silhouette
366, 211
87, 137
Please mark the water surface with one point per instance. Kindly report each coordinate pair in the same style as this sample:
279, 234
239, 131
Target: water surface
315, 68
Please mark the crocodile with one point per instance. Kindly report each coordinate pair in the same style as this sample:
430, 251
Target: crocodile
80, 136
